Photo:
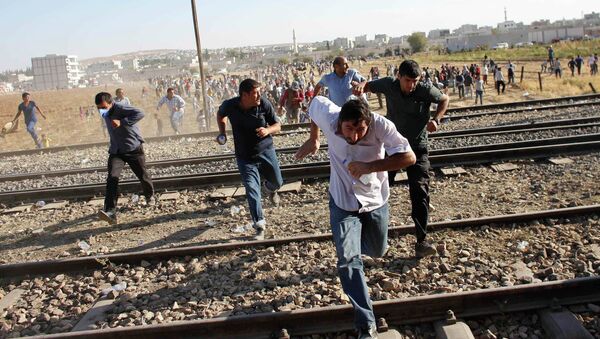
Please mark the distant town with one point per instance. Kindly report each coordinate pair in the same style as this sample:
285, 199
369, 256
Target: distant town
67, 71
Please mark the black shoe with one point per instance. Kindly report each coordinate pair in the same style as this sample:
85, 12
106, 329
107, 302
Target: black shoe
367, 333
108, 216
424, 249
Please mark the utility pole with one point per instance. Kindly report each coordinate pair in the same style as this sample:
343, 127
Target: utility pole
201, 65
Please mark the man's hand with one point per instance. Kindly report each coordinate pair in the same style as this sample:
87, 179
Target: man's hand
116, 123
432, 126
358, 168
310, 147
358, 88
262, 132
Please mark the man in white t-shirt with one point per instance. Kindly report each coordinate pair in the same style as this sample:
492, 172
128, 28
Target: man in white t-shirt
358, 189
176, 105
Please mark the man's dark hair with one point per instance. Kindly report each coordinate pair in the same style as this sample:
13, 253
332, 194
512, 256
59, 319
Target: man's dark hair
24, 95
170, 89
118, 89
247, 85
355, 111
339, 60
103, 97
410, 68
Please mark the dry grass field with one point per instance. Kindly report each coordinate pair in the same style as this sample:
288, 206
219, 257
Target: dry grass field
65, 126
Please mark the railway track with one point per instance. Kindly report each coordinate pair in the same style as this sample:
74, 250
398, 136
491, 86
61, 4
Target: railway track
11, 271
479, 132
450, 157
453, 113
410, 310
427, 308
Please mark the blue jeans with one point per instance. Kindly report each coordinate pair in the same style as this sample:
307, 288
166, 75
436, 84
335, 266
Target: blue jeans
355, 234
31, 130
266, 164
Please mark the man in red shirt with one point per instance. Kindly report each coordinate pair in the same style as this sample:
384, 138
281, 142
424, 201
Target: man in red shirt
292, 100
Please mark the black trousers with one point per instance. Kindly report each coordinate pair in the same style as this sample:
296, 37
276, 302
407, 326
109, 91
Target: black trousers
418, 185
137, 162
498, 84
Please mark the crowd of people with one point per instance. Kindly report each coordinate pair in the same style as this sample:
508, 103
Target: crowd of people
365, 150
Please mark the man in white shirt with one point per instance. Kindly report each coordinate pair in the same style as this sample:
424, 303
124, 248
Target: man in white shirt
175, 103
358, 191
120, 97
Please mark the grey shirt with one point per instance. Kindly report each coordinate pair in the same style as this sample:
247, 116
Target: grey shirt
127, 137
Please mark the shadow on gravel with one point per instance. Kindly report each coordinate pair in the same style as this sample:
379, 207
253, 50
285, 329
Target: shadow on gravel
52, 237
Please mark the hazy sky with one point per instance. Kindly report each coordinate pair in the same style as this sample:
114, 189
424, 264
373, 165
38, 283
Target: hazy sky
32, 28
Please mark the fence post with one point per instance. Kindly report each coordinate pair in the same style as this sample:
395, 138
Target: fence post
540, 79
593, 89
522, 71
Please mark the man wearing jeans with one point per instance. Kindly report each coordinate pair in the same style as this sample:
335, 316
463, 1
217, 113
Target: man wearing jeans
28, 107
176, 106
253, 121
408, 101
125, 147
358, 190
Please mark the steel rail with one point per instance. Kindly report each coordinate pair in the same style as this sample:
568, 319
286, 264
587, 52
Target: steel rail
10, 271
329, 319
459, 156
292, 127
518, 110
522, 128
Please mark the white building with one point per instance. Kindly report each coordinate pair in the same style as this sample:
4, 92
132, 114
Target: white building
509, 25
465, 30
344, 43
131, 64
382, 39
55, 72
361, 40
438, 33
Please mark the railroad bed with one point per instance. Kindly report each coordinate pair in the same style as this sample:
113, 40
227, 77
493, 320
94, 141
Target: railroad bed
299, 275
194, 218
202, 146
285, 158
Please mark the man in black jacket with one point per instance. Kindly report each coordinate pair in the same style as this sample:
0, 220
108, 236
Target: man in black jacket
125, 147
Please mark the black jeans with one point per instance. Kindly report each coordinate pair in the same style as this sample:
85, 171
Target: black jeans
418, 185
137, 162
498, 84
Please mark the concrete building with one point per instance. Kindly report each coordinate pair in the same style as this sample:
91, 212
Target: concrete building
361, 40
343, 43
509, 25
55, 72
131, 64
465, 30
438, 33
382, 39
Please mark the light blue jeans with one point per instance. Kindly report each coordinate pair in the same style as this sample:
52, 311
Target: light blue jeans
266, 164
31, 130
355, 234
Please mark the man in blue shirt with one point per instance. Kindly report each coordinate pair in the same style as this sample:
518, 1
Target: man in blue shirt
253, 121
28, 107
125, 147
340, 81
